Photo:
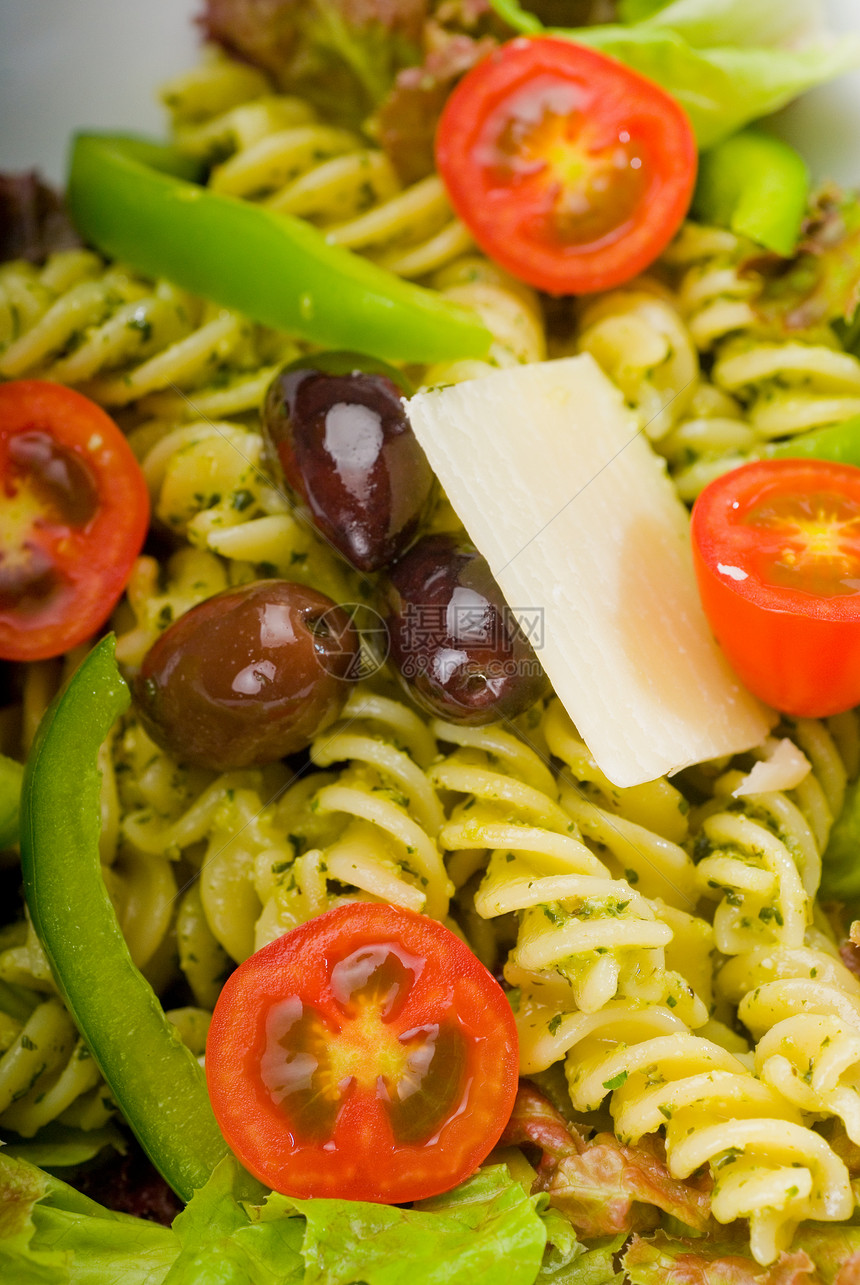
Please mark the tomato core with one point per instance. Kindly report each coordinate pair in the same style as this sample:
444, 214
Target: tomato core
579, 185
809, 542
312, 1065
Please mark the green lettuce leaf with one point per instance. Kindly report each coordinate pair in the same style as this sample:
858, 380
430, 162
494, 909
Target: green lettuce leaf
766, 24
462, 1236
840, 869
52, 1235
221, 1245
594, 1266
687, 47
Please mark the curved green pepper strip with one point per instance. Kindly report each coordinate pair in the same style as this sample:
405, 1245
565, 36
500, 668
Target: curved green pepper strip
11, 774
756, 185
133, 200
840, 443
156, 1080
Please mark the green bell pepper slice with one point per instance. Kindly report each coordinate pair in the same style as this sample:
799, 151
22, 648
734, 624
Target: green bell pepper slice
756, 185
156, 1080
135, 200
840, 443
11, 775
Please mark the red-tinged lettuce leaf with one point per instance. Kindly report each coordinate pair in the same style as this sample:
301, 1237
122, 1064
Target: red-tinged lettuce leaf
603, 1186
610, 1188
341, 55
849, 1272
835, 1250
535, 1122
821, 284
33, 220
405, 125
660, 1260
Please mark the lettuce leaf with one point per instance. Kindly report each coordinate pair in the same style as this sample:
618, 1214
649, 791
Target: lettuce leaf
704, 52
785, 24
463, 1235
595, 1266
661, 1260
221, 1245
52, 1235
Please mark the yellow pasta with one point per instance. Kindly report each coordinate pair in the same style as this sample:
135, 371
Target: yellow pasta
760, 386
585, 933
122, 339
273, 149
367, 832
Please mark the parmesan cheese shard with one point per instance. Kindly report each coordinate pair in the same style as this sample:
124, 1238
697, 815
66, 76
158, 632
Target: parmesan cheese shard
783, 767
561, 492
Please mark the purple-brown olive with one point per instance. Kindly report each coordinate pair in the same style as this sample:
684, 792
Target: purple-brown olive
248, 676
454, 641
337, 424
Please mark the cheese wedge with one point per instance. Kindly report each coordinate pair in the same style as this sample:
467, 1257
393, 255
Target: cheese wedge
560, 490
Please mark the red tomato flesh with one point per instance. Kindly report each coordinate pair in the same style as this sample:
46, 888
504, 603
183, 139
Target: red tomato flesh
777, 553
366, 1055
73, 518
569, 169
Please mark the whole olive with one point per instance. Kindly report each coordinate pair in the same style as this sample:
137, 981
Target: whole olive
337, 424
456, 644
247, 676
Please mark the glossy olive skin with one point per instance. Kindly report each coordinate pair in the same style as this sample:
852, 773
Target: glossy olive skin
456, 645
248, 676
337, 425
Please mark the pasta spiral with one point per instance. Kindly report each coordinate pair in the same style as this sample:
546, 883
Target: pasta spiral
763, 384
767, 1165
803, 1007
122, 339
46, 1071
638, 337
760, 854
643, 1034
585, 934
274, 149
367, 831
208, 482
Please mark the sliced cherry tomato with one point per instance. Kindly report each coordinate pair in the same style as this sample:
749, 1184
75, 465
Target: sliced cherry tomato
366, 1055
776, 546
569, 169
73, 517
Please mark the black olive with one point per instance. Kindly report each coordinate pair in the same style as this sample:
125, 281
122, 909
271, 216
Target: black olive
248, 676
454, 641
337, 424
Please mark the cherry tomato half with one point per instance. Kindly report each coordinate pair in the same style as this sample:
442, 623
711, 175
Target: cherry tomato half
73, 516
569, 169
366, 1055
776, 546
